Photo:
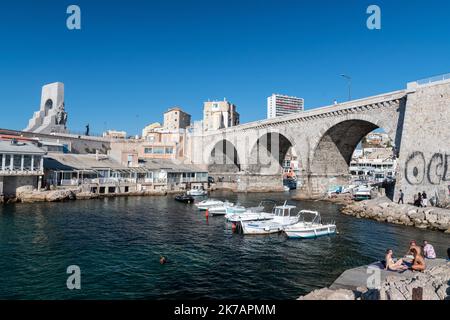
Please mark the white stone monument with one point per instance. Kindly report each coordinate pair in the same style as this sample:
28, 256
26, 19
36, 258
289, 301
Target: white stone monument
51, 117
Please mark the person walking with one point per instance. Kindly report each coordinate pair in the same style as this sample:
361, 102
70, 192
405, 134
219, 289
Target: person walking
401, 197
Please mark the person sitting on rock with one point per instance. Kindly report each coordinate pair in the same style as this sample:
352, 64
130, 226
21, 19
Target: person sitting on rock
413, 245
391, 265
428, 250
418, 263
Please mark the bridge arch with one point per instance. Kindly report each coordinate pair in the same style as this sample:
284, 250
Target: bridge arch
268, 152
333, 151
224, 158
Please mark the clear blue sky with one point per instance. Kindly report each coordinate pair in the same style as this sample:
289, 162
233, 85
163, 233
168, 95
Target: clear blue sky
134, 59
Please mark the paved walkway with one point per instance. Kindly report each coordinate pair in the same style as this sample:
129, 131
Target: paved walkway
357, 277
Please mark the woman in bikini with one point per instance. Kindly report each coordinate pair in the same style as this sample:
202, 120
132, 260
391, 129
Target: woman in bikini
391, 265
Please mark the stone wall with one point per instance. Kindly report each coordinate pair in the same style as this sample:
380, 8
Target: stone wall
12, 183
424, 158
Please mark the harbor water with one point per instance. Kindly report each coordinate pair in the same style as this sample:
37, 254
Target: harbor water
117, 243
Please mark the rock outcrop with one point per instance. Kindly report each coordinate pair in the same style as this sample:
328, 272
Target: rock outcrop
435, 285
329, 294
384, 210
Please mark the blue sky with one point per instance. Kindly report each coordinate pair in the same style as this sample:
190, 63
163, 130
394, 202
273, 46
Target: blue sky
134, 59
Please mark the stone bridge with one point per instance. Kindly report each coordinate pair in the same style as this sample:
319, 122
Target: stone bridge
324, 139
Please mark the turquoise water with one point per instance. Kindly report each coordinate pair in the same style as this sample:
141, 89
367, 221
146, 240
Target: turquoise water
117, 243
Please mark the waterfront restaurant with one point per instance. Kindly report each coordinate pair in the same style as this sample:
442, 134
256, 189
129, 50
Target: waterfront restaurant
93, 172
21, 164
172, 175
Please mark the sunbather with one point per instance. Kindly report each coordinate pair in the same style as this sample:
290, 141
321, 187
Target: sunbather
418, 262
391, 265
413, 245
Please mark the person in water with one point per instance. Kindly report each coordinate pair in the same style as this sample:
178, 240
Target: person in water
418, 263
162, 260
391, 265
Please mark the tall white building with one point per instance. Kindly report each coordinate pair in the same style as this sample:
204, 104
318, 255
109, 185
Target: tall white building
281, 105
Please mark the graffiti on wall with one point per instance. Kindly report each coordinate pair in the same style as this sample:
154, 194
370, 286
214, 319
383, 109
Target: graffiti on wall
420, 170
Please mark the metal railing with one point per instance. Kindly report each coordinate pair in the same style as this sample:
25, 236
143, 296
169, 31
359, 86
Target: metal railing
438, 78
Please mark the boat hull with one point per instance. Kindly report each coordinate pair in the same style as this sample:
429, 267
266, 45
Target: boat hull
308, 233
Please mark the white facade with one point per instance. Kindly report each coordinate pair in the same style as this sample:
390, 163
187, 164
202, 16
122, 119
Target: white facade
280, 105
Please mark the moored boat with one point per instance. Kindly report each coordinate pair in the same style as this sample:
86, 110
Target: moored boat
282, 218
197, 192
185, 198
310, 229
208, 203
222, 208
253, 213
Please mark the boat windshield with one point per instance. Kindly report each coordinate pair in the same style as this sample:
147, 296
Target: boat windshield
310, 216
283, 211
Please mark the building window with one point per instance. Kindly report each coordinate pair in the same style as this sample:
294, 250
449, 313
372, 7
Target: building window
27, 162
148, 150
17, 163
37, 163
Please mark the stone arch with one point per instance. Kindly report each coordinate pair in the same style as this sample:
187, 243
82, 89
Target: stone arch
48, 106
335, 146
268, 152
224, 158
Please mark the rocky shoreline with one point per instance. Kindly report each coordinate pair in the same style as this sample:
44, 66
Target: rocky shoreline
435, 284
32, 196
384, 210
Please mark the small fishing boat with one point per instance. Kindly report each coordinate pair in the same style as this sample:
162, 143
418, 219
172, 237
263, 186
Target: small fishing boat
208, 203
184, 198
237, 215
310, 229
222, 208
197, 192
282, 218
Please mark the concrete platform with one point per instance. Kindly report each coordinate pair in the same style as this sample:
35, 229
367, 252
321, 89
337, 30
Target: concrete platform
357, 277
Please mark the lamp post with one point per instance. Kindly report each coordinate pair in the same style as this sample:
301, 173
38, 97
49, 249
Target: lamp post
349, 79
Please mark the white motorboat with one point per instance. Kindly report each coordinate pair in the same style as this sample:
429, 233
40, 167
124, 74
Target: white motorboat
282, 218
252, 213
309, 229
197, 192
208, 203
222, 208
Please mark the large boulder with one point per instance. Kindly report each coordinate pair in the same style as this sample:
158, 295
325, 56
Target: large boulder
35, 196
60, 195
24, 189
329, 294
434, 282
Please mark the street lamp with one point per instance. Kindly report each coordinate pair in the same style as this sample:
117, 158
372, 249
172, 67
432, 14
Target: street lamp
349, 79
